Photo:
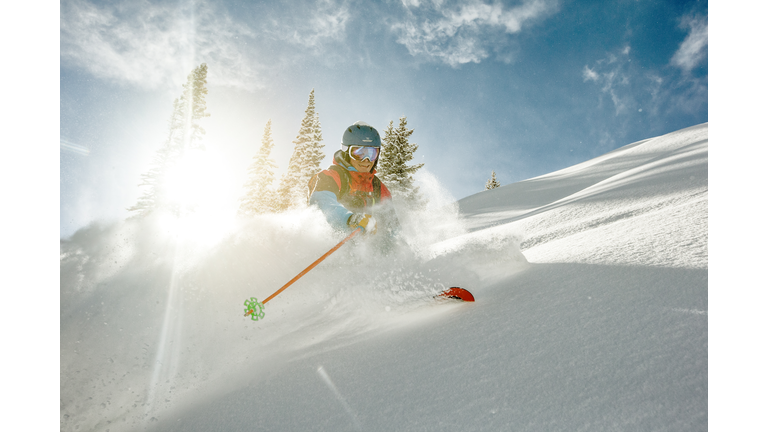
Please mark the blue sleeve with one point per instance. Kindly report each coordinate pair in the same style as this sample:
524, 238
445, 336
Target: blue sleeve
335, 213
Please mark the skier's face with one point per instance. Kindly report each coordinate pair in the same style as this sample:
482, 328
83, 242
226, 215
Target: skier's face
361, 166
363, 158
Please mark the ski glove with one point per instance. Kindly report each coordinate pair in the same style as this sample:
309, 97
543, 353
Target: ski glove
364, 221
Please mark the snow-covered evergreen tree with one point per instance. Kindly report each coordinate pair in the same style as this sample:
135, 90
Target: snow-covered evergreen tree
259, 197
492, 183
184, 132
305, 160
153, 182
393, 168
193, 105
314, 155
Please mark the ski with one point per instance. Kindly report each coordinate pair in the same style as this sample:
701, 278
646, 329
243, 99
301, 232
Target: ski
458, 294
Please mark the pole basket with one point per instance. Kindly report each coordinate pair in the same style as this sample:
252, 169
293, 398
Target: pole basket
254, 308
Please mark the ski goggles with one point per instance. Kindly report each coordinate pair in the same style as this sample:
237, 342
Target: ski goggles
362, 153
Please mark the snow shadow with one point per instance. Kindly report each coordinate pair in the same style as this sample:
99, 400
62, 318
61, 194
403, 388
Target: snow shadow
655, 167
555, 347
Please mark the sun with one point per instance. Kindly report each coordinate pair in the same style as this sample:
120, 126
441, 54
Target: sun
199, 186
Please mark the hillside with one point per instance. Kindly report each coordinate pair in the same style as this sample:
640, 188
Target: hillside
591, 312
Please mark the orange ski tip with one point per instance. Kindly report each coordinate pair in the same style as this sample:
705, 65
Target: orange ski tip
457, 293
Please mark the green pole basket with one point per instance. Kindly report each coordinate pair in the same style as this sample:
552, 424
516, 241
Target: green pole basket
254, 308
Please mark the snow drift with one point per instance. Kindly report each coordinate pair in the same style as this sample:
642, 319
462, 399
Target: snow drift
591, 312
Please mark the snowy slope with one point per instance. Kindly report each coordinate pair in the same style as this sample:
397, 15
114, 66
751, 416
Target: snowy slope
591, 313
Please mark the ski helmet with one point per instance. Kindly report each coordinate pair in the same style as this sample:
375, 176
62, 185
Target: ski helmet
360, 134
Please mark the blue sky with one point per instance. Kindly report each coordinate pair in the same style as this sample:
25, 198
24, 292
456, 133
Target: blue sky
521, 87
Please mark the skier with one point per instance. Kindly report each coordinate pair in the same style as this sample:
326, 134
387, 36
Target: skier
349, 193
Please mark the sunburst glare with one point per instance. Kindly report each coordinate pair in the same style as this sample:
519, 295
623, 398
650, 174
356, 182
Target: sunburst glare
197, 185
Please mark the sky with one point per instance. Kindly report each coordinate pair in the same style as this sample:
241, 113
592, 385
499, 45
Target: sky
520, 87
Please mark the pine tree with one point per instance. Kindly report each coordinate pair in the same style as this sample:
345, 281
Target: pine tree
153, 182
305, 160
184, 132
259, 197
492, 183
193, 104
314, 156
393, 168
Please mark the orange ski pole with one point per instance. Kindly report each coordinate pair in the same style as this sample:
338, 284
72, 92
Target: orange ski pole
311, 266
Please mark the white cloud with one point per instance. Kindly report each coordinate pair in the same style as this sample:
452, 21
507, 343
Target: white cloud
693, 50
464, 32
613, 75
326, 22
590, 74
150, 44
155, 44
628, 87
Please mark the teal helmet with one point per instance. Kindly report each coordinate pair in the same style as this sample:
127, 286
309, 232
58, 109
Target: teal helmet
360, 134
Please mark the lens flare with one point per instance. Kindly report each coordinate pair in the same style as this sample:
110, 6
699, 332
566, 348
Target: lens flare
197, 186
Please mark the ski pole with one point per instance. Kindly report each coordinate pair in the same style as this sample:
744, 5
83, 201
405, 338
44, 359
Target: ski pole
311, 266
298, 276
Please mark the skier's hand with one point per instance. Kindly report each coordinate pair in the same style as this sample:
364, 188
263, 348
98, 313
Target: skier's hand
364, 221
